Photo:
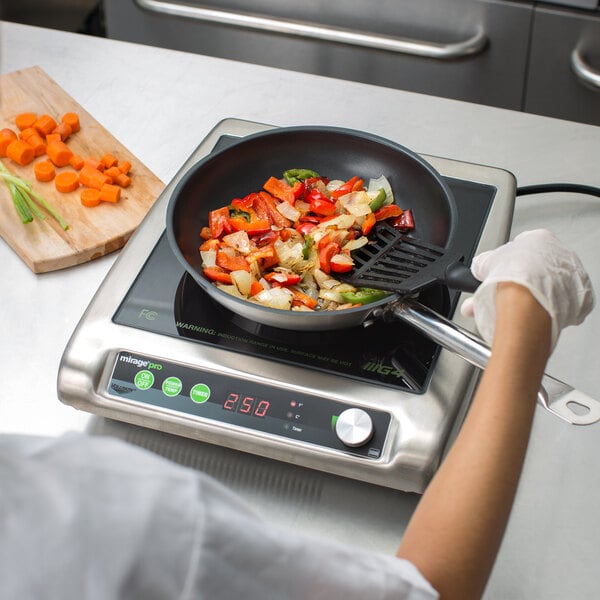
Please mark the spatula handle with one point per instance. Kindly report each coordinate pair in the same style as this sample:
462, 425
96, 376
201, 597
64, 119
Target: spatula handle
459, 277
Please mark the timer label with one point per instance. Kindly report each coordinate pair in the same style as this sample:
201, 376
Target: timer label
200, 393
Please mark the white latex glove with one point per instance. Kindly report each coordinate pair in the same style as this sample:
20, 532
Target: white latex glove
538, 261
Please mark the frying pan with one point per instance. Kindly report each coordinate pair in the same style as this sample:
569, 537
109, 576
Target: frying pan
340, 153
333, 152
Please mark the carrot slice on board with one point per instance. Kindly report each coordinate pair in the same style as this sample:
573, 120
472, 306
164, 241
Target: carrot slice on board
122, 180
90, 197
25, 120
6, 137
76, 162
110, 193
108, 160
21, 152
45, 125
66, 181
92, 177
59, 153
64, 130
72, 119
124, 166
44, 170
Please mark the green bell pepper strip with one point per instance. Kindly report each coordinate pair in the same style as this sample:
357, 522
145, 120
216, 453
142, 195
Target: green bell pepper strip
378, 201
364, 296
308, 242
294, 175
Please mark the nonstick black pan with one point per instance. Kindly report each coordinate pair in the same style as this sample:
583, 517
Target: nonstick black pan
333, 152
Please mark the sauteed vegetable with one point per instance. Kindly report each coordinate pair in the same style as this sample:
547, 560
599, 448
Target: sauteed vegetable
282, 246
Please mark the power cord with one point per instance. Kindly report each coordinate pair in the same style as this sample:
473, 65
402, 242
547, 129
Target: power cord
544, 188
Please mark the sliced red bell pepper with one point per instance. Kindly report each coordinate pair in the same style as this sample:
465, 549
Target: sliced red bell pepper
252, 227
218, 221
277, 278
298, 190
325, 255
232, 263
346, 188
268, 205
205, 233
211, 244
280, 189
368, 223
405, 222
244, 203
385, 212
320, 204
341, 263
217, 274
305, 228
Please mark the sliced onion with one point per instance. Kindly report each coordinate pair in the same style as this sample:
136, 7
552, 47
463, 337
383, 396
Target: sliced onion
356, 244
341, 222
209, 258
243, 281
381, 182
238, 240
331, 296
356, 203
276, 297
288, 211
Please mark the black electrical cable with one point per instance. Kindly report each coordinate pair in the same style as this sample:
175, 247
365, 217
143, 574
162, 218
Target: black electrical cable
544, 188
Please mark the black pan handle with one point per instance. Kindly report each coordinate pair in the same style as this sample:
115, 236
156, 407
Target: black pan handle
459, 277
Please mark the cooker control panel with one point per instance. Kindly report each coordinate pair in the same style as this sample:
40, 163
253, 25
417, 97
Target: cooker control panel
204, 395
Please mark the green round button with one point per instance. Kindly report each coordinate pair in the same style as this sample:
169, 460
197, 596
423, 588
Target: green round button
143, 380
200, 393
171, 386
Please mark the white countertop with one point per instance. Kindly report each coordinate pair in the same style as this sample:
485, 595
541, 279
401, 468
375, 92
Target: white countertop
551, 546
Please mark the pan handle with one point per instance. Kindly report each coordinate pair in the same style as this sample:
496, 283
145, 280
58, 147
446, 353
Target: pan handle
557, 397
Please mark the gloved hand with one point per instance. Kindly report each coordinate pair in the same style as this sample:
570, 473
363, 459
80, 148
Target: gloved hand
538, 261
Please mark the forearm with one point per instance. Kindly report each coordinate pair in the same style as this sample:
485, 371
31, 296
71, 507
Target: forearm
457, 528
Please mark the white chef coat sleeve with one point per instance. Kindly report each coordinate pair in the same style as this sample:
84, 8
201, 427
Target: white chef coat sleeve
95, 518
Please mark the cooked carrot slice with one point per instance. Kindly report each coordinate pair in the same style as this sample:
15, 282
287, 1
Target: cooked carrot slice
59, 153
66, 181
6, 137
72, 119
110, 193
90, 197
25, 120
44, 170
21, 152
45, 125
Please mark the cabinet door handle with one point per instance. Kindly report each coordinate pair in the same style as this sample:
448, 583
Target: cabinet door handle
588, 76
471, 46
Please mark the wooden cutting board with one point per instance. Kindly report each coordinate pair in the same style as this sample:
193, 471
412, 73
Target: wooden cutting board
93, 232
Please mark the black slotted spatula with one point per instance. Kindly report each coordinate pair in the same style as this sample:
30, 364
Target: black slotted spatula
396, 262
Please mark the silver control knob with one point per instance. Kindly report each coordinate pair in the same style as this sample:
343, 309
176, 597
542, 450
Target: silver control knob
354, 427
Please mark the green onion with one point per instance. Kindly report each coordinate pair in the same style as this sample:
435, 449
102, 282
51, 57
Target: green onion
26, 201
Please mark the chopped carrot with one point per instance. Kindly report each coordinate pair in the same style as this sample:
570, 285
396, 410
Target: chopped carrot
37, 143
45, 124
53, 137
6, 137
122, 180
94, 164
92, 177
44, 170
76, 162
108, 160
90, 197
25, 120
110, 193
66, 181
26, 133
20, 151
72, 119
113, 172
124, 166
59, 153
64, 130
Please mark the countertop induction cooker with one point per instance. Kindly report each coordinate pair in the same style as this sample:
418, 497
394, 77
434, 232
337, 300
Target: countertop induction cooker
153, 350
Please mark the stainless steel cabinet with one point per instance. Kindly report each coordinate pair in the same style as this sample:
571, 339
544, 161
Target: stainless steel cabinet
473, 50
564, 71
